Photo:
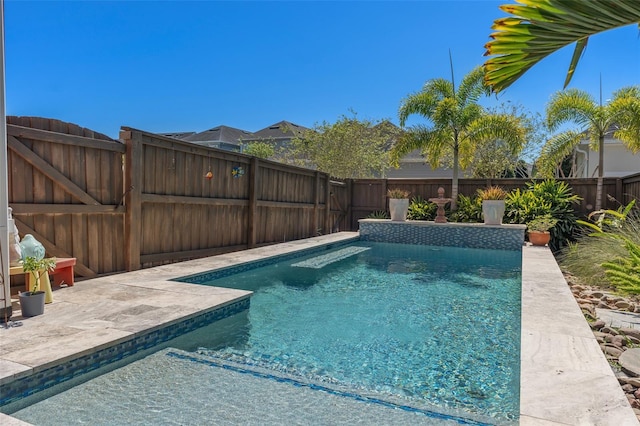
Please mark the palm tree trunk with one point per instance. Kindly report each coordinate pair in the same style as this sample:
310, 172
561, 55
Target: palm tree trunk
599, 186
454, 180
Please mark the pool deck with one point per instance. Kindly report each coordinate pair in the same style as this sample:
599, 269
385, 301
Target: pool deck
565, 379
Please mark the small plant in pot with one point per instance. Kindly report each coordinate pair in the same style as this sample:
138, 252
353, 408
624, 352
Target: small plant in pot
398, 204
32, 300
492, 204
538, 229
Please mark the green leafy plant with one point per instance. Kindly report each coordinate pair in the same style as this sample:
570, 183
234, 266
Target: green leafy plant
601, 220
37, 268
378, 214
542, 223
548, 197
624, 272
397, 193
469, 210
492, 193
607, 256
421, 209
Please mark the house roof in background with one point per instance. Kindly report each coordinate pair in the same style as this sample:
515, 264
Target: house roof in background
280, 130
219, 133
178, 135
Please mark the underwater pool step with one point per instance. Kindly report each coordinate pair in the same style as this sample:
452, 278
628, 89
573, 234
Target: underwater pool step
259, 372
329, 258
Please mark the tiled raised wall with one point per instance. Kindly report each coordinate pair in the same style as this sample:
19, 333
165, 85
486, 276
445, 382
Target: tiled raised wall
472, 235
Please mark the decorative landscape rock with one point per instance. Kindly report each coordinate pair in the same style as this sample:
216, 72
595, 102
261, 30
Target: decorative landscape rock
621, 346
630, 361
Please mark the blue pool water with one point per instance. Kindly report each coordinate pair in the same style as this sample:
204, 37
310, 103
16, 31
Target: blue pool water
424, 324
371, 333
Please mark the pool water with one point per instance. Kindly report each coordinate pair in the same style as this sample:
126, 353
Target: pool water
374, 333
425, 324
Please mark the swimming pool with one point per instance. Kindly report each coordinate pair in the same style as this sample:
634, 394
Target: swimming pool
425, 324
351, 338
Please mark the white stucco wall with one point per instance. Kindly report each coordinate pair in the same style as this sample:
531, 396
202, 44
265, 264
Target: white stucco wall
618, 160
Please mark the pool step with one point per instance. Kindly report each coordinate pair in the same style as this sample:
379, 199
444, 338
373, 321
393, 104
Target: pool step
321, 261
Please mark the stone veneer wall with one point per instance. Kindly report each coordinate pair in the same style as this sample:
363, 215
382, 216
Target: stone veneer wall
472, 235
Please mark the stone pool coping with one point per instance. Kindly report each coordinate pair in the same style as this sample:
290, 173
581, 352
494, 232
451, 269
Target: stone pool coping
565, 379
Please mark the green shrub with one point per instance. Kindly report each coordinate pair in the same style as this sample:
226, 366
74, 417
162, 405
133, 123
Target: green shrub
609, 256
469, 210
523, 206
421, 209
378, 214
624, 273
492, 193
548, 197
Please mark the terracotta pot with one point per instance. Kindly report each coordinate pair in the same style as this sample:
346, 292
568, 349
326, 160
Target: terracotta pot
539, 238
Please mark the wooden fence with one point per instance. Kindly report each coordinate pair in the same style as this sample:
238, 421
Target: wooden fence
65, 188
369, 195
175, 212
146, 199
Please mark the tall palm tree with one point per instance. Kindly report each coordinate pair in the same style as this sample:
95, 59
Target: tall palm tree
537, 28
619, 118
458, 124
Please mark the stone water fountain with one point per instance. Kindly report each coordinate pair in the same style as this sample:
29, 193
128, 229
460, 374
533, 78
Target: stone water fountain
440, 202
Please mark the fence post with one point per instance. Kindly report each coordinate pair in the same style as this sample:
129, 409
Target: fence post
349, 218
316, 205
385, 186
327, 205
133, 173
253, 202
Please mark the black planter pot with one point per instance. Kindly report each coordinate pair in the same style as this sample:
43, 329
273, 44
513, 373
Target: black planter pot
32, 304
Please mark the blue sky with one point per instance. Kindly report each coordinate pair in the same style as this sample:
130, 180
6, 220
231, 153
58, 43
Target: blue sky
189, 66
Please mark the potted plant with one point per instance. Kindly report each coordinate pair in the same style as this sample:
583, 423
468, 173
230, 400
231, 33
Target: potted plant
538, 229
32, 300
398, 204
492, 204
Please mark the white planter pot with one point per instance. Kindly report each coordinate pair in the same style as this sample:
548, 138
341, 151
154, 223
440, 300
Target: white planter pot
398, 208
492, 211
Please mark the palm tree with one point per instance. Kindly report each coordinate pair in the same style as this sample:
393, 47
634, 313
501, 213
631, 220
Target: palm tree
538, 28
620, 118
459, 124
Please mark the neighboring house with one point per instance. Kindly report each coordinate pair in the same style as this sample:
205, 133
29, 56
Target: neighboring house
222, 137
278, 134
414, 166
178, 135
619, 161
232, 139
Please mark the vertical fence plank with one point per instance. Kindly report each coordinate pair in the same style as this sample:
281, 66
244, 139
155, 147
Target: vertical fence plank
133, 216
316, 204
252, 215
327, 205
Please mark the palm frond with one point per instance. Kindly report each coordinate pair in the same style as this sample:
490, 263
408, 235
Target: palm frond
504, 127
421, 103
537, 28
625, 111
571, 105
472, 88
419, 137
555, 150
440, 87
